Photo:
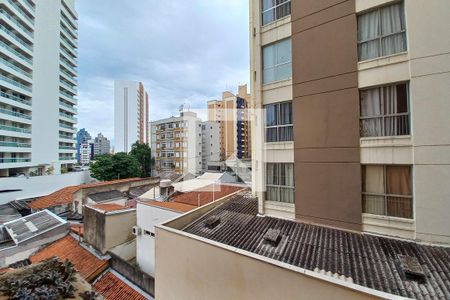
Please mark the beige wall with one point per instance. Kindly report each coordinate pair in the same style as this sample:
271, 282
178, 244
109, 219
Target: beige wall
204, 271
118, 228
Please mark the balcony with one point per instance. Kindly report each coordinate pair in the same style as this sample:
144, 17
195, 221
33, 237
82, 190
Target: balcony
69, 56
67, 148
68, 116
32, 8
68, 97
67, 137
15, 144
17, 23
66, 126
22, 13
14, 160
69, 87
15, 83
68, 76
16, 38
16, 53
15, 68
67, 64
68, 107
14, 129
66, 158
15, 98
14, 114
70, 47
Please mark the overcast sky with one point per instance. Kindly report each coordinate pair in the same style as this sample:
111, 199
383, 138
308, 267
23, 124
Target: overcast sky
184, 51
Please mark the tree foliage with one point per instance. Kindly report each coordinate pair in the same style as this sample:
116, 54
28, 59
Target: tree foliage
143, 154
117, 166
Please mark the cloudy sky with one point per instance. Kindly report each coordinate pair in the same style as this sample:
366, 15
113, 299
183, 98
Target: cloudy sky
184, 51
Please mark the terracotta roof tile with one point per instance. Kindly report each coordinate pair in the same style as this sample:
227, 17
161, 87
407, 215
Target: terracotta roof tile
64, 196
77, 229
113, 288
86, 263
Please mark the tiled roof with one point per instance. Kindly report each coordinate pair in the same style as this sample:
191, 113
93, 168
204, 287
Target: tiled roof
113, 288
108, 207
367, 260
86, 263
77, 229
206, 194
179, 207
64, 196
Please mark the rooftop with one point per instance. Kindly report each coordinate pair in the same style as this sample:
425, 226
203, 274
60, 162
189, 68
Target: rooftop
86, 263
108, 207
64, 196
370, 261
105, 196
112, 287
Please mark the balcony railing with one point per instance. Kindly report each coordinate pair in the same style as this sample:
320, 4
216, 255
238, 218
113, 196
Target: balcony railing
69, 46
69, 34
66, 126
67, 137
14, 113
387, 125
68, 96
15, 52
14, 67
14, 160
67, 158
17, 23
21, 11
15, 129
16, 38
68, 86
70, 107
72, 77
13, 82
68, 116
32, 8
15, 98
67, 148
14, 144
69, 54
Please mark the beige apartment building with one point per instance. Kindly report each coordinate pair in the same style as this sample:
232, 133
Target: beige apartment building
356, 131
232, 114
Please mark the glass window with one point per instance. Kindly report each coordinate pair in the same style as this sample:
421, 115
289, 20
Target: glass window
277, 61
387, 190
280, 182
279, 127
273, 10
384, 111
382, 32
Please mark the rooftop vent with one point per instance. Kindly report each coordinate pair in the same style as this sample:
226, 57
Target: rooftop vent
411, 267
212, 222
273, 237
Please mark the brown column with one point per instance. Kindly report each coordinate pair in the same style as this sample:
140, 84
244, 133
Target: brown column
326, 113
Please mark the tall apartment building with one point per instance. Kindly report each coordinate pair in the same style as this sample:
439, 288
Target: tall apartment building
210, 145
38, 85
178, 144
232, 114
131, 114
101, 145
356, 129
83, 137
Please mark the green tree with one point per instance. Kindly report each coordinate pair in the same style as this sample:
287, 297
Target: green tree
143, 154
117, 166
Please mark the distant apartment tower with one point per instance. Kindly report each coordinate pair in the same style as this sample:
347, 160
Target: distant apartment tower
85, 153
356, 131
178, 144
130, 114
38, 86
83, 137
101, 145
210, 145
231, 113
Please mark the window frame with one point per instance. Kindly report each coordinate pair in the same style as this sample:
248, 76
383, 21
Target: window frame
279, 186
382, 36
275, 14
385, 195
275, 66
278, 126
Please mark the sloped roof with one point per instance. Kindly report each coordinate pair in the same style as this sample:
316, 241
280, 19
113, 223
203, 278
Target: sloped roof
113, 288
108, 207
175, 206
366, 260
86, 263
64, 196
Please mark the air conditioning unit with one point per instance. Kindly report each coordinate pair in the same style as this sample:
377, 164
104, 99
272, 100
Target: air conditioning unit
136, 230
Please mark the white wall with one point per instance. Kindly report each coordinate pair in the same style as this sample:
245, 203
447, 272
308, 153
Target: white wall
147, 218
40, 185
210, 143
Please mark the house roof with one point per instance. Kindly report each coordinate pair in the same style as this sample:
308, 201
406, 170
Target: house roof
179, 207
371, 261
64, 196
112, 287
86, 263
108, 207
78, 229
105, 196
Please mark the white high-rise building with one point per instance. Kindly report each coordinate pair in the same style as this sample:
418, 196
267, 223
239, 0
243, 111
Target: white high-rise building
130, 114
210, 144
38, 86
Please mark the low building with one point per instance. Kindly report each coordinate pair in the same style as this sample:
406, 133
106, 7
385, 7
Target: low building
71, 199
242, 255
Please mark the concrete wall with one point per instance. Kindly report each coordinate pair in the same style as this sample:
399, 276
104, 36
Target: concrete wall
205, 271
40, 185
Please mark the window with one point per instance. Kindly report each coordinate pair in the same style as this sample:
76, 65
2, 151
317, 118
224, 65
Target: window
277, 61
387, 190
279, 126
384, 111
273, 10
280, 182
382, 32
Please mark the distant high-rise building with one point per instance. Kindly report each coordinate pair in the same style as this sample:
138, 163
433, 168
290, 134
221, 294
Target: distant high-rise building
38, 86
130, 114
210, 144
83, 137
101, 145
231, 113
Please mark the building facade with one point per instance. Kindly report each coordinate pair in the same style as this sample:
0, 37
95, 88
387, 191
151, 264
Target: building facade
178, 144
232, 115
210, 144
131, 114
38, 86
85, 154
83, 138
356, 132
101, 145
